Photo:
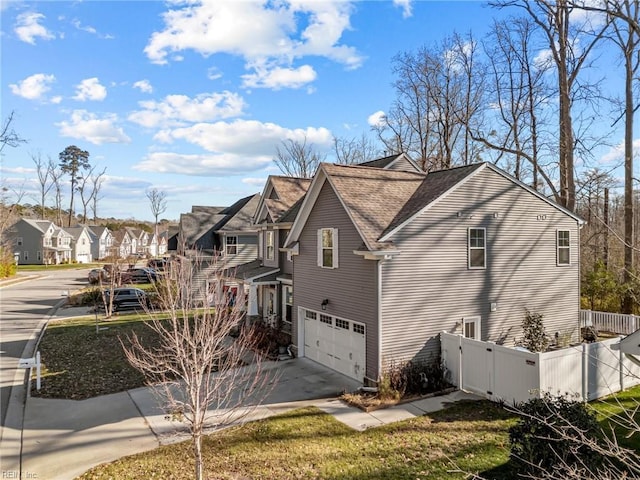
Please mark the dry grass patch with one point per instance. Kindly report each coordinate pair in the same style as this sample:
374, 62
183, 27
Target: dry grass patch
81, 363
308, 444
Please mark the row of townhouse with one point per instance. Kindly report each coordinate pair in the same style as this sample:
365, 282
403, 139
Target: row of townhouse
41, 242
365, 265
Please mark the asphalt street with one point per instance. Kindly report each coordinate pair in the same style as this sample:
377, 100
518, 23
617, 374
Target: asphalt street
24, 307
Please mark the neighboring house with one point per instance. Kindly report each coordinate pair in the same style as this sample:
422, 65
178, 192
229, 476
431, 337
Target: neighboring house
102, 245
400, 162
269, 279
218, 237
39, 242
384, 260
123, 244
162, 242
226, 233
139, 240
81, 243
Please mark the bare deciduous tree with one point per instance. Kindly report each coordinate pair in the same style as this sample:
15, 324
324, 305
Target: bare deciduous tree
158, 205
351, 151
570, 44
96, 182
439, 90
44, 172
56, 178
297, 158
199, 367
87, 189
8, 136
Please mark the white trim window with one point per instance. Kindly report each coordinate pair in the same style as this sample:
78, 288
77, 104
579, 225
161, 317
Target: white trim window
39, 255
477, 256
19, 241
471, 328
269, 244
563, 247
25, 255
231, 245
328, 247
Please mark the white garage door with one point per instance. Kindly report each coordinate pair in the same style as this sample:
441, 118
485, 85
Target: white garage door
337, 343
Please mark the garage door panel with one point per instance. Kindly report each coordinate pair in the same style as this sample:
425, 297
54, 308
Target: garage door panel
336, 343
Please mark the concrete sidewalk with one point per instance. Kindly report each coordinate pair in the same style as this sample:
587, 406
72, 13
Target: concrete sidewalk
61, 439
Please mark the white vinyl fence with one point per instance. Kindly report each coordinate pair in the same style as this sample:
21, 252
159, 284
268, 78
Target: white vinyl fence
587, 371
617, 323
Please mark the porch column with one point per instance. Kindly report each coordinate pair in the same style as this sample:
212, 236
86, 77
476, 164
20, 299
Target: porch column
253, 300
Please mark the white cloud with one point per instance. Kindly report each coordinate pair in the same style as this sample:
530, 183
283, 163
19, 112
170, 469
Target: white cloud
245, 137
86, 28
616, 153
405, 5
143, 86
57, 99
213, 73
90, 89
272, 34
28, 28
174, 110
377, 119
33, 87
222, 164
258, 182
88, 126
89, 29
280, 77
234, 148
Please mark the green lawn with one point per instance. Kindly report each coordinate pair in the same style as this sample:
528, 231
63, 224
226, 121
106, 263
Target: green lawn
63, 266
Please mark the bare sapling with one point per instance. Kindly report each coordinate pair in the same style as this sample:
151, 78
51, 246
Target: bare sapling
204, 368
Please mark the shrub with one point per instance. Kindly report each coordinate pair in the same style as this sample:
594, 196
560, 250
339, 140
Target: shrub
552, 435
268, 339
534, 337
419, 377
92, 296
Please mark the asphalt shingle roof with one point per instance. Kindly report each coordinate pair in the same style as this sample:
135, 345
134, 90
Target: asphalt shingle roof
379, 201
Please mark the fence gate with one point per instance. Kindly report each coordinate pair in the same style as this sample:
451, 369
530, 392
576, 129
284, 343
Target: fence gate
477, 367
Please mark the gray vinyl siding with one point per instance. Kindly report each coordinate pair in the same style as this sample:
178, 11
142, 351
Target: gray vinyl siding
286, 266
428, 287
402, 165
31, 243
247, 250
351, 288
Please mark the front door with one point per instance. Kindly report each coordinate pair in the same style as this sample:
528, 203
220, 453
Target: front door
269, 307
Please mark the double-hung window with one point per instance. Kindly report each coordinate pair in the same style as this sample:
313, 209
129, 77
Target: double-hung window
477, 248
231, 245
328, 247
269, 244
563, 246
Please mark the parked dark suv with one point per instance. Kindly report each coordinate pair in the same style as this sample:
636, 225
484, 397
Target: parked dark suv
140, 275
127, 297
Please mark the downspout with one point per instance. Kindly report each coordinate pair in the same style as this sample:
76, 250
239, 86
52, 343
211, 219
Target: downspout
379, 306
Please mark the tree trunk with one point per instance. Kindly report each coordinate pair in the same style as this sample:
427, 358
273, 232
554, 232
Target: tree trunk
628, 187
197, 453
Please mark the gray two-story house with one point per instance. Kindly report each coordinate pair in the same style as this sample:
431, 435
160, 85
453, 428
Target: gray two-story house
268, 280
385, 260
39, 242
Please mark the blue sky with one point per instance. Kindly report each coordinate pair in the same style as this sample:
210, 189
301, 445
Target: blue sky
194, 99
